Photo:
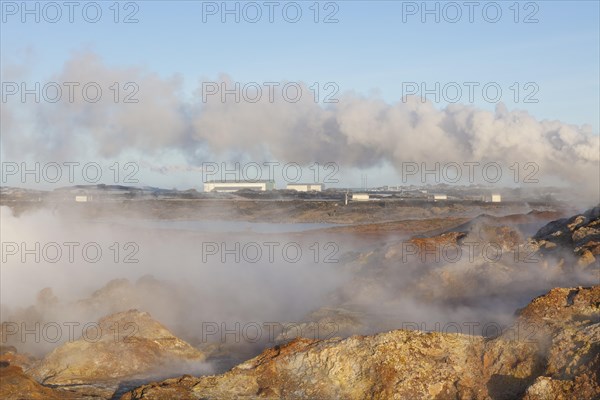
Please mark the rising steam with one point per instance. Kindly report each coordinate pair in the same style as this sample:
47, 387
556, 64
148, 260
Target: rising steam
355, 132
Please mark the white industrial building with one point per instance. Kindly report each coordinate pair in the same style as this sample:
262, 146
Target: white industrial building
496, 198
437, 197
360, 197
305, 187
234, 186
82, 196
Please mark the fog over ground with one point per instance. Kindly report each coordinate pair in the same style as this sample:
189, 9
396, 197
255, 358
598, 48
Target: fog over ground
182, 290
193, 287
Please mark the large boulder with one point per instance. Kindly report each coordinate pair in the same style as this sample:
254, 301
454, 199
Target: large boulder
121, 347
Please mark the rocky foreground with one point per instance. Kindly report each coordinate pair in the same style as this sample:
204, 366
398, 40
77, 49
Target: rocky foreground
119, 350
552, 352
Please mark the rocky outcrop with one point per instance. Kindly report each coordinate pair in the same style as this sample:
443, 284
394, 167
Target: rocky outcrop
166, 301
394, 365
121, 347
10, 356
558, 358
567, 326
398, 364
577, 236
546, 388
16, 385
562, 307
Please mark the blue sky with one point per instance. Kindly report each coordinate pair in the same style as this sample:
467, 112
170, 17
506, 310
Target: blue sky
370, 50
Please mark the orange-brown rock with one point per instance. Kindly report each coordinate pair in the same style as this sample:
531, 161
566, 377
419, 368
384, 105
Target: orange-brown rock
16, 385
577, 236
416, 365
9, 355
122, 348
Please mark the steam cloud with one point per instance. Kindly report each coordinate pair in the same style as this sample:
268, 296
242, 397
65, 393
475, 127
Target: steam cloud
356, 132
171, 280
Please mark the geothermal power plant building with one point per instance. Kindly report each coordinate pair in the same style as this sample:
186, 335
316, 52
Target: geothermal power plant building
360, 197
234, 186
305, 187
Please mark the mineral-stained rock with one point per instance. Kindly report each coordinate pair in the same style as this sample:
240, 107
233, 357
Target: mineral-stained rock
578, 236
15, 385
9, 355
562, 307
545, 388
566, 323
558, 359
510, 364
122, 346
393, 365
